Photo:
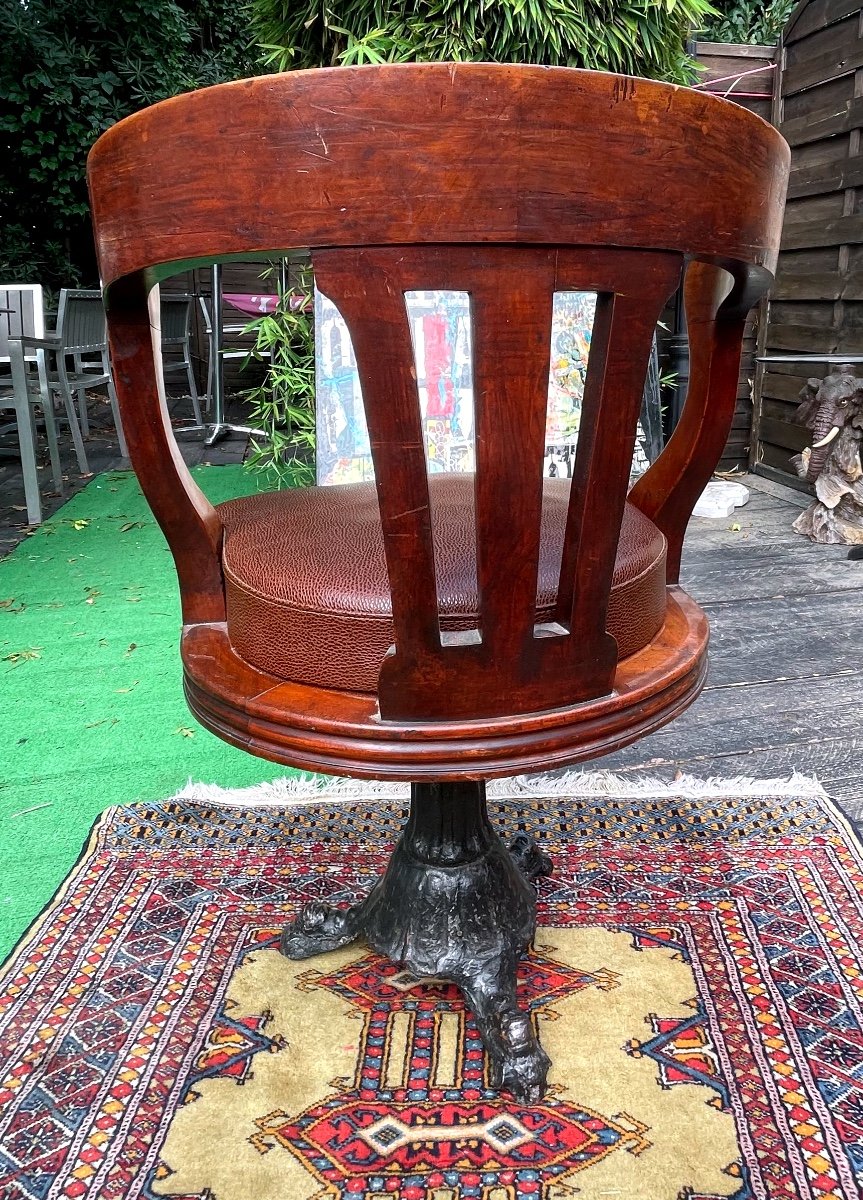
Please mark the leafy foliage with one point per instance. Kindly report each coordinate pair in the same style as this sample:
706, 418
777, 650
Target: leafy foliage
69, 70
282, 407
637, 37
747, 21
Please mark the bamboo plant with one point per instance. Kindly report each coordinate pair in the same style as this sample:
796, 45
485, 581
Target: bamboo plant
282, 406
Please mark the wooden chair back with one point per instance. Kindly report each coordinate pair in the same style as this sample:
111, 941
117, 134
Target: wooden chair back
509, 183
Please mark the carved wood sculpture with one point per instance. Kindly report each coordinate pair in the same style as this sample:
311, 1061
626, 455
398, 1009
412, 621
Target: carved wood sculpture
833, 409
446, 630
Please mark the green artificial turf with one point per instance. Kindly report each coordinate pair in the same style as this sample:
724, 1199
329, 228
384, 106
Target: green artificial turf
91, 702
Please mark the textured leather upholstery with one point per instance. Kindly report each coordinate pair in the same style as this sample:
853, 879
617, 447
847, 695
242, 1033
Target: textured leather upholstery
308, 594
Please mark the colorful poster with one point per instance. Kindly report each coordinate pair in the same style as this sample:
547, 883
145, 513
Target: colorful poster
441, 334
571, 325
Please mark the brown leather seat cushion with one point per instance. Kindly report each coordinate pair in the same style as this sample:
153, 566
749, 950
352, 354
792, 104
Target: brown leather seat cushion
308, 594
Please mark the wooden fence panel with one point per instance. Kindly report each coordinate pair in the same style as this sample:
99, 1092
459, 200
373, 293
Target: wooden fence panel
816, 306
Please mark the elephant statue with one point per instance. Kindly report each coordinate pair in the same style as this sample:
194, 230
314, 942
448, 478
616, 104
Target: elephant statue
833, 409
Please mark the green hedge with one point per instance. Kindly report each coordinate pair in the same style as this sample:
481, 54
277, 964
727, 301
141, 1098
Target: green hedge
747, 21
68, 70
636, 37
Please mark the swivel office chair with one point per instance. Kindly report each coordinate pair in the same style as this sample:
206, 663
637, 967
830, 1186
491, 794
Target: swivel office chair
446, 630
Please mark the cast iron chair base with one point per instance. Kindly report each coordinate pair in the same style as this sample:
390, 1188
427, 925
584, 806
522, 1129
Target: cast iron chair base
453, 904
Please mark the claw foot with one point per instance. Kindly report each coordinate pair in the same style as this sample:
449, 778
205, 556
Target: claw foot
528, 857
518, 1063
318, 928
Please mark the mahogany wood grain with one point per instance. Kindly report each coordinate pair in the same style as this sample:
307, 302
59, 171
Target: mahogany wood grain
508, 182
668, 491
436, 152
188, 520
341, 733
508, 664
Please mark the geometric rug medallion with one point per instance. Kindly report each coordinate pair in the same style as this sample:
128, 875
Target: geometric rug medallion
697, 981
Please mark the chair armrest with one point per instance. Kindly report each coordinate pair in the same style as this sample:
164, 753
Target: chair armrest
33, 343
668, 491
190, 523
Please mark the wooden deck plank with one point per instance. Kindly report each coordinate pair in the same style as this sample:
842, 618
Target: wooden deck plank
834, 763
772, 574
785, 687
772, 715
801, 638
761, 524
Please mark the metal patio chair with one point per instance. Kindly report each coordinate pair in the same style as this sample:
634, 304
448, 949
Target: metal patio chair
176, 314
24, 387
76, 356
81, 336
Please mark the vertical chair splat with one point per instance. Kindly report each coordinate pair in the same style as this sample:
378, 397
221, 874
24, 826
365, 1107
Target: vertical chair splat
189, 522
361, 284
508, 662
668, 491
511, 309
633, 289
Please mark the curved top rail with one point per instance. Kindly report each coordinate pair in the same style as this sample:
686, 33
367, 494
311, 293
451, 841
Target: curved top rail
436, 153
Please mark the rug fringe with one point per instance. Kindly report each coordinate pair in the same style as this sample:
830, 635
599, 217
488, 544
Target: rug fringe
312, 789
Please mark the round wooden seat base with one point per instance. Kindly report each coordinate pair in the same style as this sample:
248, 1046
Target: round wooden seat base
341, 733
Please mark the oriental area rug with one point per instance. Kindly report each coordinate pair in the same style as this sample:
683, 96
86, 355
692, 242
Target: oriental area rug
697, 980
